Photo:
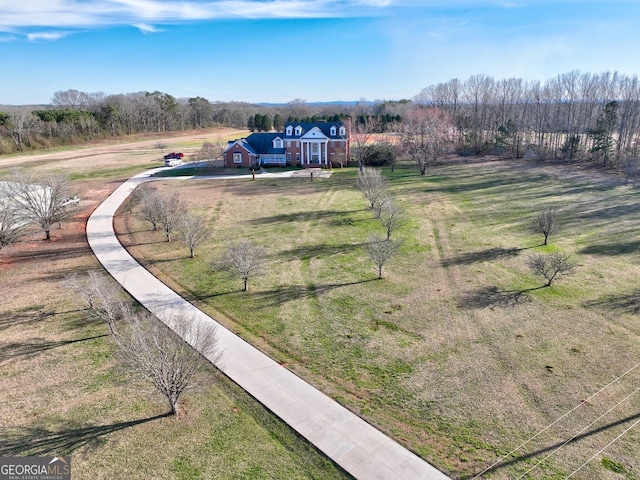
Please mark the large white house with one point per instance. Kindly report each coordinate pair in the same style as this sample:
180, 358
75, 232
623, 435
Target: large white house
305, 144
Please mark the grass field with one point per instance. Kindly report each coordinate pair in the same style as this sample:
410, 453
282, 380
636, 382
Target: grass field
64, 389
458, 352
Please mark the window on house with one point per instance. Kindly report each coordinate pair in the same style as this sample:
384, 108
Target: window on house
288, 144
333, 130
289, 130
298, 130
237, 157
277, 143
342, 131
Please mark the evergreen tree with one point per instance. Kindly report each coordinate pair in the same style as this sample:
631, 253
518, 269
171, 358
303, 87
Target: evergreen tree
603, 133
278, 124
266, 123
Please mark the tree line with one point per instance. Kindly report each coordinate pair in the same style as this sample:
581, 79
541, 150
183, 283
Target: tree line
74, 117
571, 116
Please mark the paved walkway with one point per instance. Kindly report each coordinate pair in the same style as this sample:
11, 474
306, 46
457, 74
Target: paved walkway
352, 443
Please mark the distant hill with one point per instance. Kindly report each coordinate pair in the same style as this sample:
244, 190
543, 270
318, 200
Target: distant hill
320, 104
8, 108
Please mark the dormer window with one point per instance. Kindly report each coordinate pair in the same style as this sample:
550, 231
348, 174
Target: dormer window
278, 143
333, 130
342, 131
298, 130
289, 131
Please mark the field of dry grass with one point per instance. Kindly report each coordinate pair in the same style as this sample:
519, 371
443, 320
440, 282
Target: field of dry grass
64, 390
458, 353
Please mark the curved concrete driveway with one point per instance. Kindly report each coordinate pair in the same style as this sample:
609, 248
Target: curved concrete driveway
352, 443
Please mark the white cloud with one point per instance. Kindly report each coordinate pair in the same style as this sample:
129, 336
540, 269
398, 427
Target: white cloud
146, 28
92, 13
50, 36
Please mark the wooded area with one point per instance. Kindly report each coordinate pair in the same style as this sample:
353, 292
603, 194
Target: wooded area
574, 116
594, 116
75, 117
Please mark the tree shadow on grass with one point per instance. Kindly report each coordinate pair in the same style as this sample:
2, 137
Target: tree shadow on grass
50, 252
8, 320
305, 216
196, 297
41, 442
13, 350
307, 252
620, 248
527, 456
494, 297
281, 295
481, 256
624, 303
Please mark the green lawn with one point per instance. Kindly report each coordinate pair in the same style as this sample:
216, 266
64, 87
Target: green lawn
70, 396
458, 353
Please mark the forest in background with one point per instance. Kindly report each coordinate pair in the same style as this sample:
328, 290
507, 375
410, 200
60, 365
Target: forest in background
574, 116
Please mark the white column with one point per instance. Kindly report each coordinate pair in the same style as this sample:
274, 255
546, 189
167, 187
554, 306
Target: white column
301, 152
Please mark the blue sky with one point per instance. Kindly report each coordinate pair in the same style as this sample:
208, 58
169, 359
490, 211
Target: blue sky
316, 50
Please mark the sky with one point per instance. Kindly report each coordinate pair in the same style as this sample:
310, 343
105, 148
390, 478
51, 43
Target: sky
314, 50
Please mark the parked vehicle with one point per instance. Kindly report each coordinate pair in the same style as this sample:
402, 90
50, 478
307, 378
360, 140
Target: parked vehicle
176, 155
172, 162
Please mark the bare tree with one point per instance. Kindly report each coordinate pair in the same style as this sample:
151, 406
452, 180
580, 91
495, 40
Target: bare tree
11, 231
372, 185
381, 202
21, 125
11, 226
546, 222
209, 152
551, 266
71, 99
361, 132
171, 212
630, 168
103, 297
391, 217
381, 250
150, 210
44, 199
163, 356
425, 136
244, 260
193, 232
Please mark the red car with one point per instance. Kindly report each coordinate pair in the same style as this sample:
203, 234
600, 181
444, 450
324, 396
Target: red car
175, 155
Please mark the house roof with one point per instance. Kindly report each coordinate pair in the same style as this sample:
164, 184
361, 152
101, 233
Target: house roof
242, 142
324, 127
263, 142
